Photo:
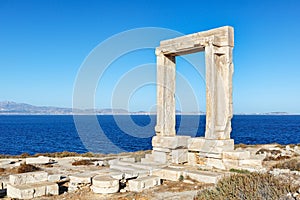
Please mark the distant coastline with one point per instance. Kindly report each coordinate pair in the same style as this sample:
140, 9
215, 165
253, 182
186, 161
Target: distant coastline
13, 108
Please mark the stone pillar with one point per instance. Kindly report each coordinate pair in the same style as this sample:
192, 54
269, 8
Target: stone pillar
167, 147
166, 70
219, 70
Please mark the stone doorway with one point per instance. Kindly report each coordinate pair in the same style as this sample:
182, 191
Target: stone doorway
217, 45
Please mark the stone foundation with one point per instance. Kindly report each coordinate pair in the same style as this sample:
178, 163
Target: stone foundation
170, 149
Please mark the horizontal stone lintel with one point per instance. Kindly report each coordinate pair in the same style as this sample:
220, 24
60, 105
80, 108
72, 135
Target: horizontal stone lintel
222, 36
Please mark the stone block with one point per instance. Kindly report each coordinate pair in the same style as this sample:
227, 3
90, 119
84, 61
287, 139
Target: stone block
179, 156
231, 164
149, 156
32, 190
210, 146
57, 178
170, 142
146, 160
41, 160
128, 159
113, 161
215, 163
135, 169
222, 36
15, 191
105, 184
140, 184
250, 163
39, 190
160, 157
124, 174
128, 171
149, 166
192, 158
82, 178
122, 167
104, 181
52, 189
30, 177
210, 155
204, 176
102, 190
236, 155
171, 174
209, 163
167, 150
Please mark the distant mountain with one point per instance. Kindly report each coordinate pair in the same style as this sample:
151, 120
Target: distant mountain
10, 108
13, 108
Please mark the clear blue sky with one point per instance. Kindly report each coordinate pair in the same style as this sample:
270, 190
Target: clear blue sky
43, 44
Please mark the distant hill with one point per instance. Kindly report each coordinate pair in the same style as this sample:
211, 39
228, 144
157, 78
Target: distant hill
10, 108
13, 108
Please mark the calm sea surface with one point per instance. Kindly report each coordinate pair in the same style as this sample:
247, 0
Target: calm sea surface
38, 134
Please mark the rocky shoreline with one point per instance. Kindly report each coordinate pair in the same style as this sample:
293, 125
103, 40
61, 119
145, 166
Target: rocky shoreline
122, 176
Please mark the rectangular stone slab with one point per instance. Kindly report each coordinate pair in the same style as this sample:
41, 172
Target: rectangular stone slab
236, 155
41, 160
167, 173
172, 142
31, 190
30, 177
222, 36
140, 184
204, 176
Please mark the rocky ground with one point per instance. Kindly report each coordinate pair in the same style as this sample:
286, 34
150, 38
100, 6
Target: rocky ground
280, 161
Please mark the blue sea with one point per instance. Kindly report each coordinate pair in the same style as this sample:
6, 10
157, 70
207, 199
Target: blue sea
112, 134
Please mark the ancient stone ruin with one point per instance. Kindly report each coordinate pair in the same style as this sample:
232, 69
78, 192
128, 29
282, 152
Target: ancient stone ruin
167, 147
216, 149
173, 157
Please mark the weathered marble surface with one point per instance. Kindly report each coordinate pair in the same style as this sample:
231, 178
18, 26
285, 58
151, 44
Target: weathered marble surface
217, 45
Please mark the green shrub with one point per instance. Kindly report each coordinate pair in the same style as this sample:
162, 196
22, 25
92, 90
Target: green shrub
181, 178
253, 186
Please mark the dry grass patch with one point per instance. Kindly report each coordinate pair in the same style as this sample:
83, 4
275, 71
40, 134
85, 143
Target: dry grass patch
53, 155
23, 155
293, 165
138, 155
248, 186
274, 151
239, 171
82, 162
67, 154
241, 145
278, 158
23, 168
